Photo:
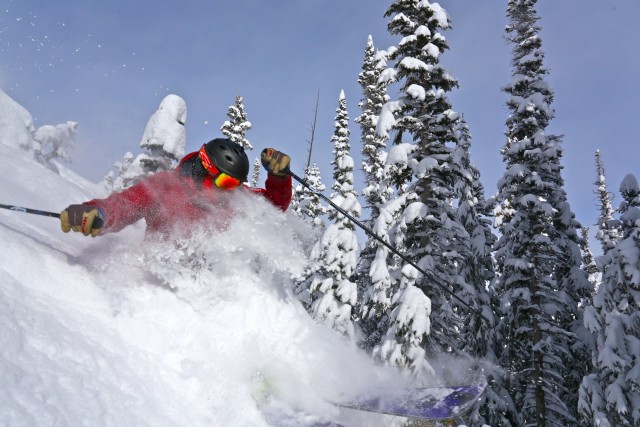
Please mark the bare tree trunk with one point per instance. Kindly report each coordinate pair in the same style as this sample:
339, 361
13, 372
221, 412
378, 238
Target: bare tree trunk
313, 132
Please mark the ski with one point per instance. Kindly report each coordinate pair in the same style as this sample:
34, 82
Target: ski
431, 403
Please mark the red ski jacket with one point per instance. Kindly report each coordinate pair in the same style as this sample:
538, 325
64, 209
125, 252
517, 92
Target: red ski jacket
170, 200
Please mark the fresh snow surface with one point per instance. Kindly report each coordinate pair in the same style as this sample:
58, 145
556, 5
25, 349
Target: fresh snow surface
118, 331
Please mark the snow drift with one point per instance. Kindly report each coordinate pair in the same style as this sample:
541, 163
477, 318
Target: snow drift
118, 331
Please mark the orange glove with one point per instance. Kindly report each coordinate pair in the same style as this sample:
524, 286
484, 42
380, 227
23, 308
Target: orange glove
275, 162
82, 218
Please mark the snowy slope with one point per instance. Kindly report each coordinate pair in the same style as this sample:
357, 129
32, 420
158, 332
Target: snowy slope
114, 331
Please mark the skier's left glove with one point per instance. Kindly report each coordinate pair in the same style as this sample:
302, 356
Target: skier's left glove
275, 162
85, 219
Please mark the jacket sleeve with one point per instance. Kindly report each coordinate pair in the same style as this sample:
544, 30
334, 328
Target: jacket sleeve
126, 207
278, 190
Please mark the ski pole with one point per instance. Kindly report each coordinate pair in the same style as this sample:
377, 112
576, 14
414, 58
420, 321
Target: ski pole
97, 222
386, 244
30, 211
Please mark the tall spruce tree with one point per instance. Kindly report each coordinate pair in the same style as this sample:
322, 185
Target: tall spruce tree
474, 214
479, 338
237, 126
333, 293
428, 228
588, 260
610, 396
373, 145
373, 288
540, 280
609, 232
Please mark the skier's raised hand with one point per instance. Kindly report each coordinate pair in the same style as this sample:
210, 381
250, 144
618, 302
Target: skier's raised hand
275, 162
85, 219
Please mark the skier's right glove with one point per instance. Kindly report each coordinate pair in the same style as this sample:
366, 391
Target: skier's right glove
275, 162
85, 219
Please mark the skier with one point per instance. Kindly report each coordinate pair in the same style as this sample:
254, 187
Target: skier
195, 190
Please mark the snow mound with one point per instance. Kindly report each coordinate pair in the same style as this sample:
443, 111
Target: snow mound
119, 331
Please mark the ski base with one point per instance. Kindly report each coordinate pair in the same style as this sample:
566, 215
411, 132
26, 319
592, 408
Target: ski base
432, 403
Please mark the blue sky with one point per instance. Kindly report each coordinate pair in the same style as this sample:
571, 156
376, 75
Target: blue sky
107, 66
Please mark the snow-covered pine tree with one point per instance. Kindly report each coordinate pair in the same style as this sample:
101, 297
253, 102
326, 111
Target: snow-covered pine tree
608, 228
333, 292
294, 205
373, 145
588, 261
478, 270
165, 136
127, 173
237, 126
309, 206
540, 281
163, 142
610, 396
54, 142
407, 316
373, 288
45, 143
394, 342
255, 177
428, 228
479, 337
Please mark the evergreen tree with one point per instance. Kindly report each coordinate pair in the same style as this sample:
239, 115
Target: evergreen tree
373, 288
54, 142
610, 396
405, 309
127, 173
237, 126
45, 144
163, 142
333, 292
477, 270
387, 289
588, 261
373, 145
294, 205
308, 206
164, 137
540, 280
255, 177
479, 338
428, 228
608, 228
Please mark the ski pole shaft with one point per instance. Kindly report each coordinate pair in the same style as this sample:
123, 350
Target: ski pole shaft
97, 223
30, 211
387, 245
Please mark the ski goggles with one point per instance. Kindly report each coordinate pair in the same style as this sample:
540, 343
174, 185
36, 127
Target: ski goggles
220, 179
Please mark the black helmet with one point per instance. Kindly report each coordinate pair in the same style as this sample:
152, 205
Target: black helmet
228, 157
